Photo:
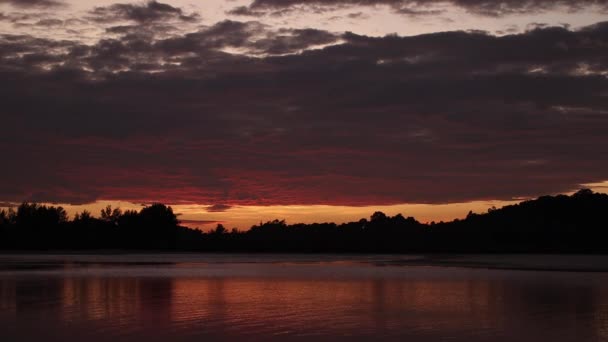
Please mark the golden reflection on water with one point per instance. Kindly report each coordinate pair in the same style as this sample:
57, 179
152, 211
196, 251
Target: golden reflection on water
100, 298
366, 306
388, 308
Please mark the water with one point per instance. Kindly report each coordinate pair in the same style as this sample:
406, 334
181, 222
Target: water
321, 298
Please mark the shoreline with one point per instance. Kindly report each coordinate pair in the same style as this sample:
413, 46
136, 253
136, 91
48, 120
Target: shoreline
514, 262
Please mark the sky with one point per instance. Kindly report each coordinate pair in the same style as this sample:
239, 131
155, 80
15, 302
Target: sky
245, 111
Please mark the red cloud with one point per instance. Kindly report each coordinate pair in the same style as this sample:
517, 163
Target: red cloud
446, 117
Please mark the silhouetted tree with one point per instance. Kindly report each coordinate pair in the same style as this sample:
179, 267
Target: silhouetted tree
111, 215
378, 217
33, 215
583, 193
572, 224
219, 229
157, 226
3, 217
159, 215
84, 216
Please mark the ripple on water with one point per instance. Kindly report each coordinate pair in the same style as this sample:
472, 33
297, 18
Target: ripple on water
299, 299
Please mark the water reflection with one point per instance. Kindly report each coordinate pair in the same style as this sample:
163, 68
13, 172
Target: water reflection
99, 298
526, 307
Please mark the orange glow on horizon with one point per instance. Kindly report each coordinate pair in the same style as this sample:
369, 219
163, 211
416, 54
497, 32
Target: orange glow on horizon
243, 217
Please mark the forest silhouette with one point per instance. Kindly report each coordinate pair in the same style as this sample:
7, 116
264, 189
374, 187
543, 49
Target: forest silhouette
548, 224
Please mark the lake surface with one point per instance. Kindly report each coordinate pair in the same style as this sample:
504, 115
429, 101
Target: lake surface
182, 297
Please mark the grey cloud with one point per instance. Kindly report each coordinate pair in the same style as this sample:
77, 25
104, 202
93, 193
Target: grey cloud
17, 17
218, 208
442, 117
49, 22
428, 7
245, 11
33, 3
251, 36
356, 15
290, 40
151, 11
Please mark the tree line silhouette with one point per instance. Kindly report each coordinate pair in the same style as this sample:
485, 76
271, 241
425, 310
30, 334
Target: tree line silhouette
548, 224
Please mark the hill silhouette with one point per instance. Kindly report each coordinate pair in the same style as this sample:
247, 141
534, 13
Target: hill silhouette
548, 224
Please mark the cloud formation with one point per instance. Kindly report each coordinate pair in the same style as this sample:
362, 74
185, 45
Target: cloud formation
33, 3
151, 11
237, 113
218, 208
428, 7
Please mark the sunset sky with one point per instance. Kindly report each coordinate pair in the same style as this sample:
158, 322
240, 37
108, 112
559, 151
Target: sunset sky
307, 110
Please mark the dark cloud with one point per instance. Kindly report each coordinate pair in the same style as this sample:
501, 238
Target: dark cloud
216, 208
252, 37
49, 22
428, 7
356, 15
245, 11
198, 224
151, 11
18, 18
248, 11
416, 12
33, 3
292, 40
195, 223
139, 32
444, 117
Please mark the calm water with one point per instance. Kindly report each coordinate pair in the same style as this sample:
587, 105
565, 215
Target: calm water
210, 297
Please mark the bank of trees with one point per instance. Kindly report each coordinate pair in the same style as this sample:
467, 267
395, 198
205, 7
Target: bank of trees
573, 224
41, 227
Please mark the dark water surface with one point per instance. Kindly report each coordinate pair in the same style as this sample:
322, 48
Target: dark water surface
238, 297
